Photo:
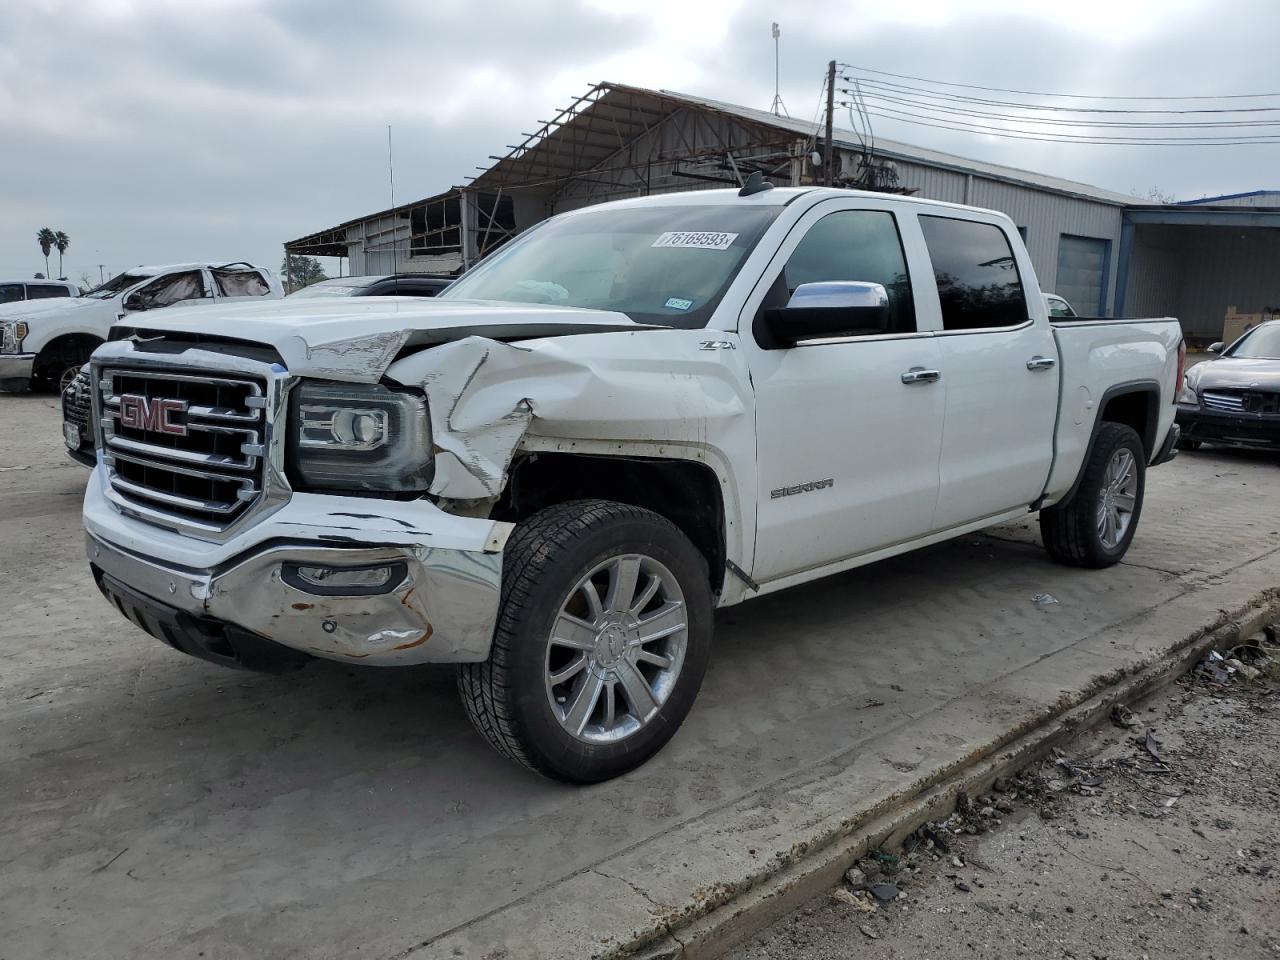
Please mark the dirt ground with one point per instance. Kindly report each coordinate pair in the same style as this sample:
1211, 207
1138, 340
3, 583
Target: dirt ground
1116, 847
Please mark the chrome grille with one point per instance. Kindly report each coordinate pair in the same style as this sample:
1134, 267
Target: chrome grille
211, 468
1260, 402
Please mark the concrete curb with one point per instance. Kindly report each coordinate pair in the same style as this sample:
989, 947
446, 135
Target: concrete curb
695, 892
727, 926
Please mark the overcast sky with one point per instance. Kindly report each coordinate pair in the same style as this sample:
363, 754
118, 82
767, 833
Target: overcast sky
165, 131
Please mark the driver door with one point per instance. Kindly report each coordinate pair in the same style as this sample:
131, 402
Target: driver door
847, 448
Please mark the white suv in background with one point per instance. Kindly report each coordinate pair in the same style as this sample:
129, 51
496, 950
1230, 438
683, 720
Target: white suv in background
45, 343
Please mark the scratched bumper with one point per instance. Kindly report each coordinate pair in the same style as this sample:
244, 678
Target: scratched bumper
443, 611
16, 367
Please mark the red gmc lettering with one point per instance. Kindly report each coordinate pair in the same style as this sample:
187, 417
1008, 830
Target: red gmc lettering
152, 414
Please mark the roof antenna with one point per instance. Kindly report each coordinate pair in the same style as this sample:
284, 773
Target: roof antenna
756, 183
779, 109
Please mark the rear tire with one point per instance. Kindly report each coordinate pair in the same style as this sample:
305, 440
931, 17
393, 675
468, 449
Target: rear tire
1095, 527
572, 689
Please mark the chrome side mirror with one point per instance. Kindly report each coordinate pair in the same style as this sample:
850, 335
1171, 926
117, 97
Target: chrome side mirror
833, 308
839, 294
1217, 347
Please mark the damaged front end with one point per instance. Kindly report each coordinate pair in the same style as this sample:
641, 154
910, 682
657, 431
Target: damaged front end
205, 529
332, 496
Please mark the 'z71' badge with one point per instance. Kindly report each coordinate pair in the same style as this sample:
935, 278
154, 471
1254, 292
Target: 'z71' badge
802, 488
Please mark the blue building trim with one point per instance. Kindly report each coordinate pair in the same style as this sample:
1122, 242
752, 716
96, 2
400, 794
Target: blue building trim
1122, 265
1226, 196
1219, 217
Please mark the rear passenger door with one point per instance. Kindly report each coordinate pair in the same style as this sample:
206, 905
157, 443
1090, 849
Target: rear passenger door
846, 449
999, 367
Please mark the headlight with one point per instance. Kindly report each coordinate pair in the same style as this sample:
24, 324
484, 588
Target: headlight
12, 334
360, 437
1187, 394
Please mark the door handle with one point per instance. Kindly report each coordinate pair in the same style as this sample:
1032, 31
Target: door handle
921, 375
1041, 363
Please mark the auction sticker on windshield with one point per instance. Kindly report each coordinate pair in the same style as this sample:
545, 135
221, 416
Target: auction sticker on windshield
696, 240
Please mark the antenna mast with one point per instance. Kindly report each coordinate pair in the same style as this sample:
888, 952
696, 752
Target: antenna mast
391, 177
779, 108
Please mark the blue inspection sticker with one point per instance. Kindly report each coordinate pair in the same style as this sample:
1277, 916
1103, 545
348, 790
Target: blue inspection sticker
678, 303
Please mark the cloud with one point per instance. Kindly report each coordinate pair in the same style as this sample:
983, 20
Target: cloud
170, 131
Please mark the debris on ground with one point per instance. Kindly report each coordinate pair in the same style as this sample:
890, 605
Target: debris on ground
1044, 599
1068, 851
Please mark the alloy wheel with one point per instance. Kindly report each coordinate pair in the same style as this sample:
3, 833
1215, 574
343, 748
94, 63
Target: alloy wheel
1117, 499
616, 648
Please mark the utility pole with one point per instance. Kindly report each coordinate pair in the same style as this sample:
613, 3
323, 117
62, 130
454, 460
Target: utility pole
828, 161
101, 278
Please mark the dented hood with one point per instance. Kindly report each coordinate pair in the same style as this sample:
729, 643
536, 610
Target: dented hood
356, 338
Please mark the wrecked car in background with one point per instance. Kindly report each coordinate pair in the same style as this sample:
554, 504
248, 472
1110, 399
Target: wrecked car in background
44, 343
630, 415
1235, 397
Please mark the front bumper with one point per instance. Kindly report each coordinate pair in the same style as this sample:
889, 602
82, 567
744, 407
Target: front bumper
443, 611
16, 366
1245, 429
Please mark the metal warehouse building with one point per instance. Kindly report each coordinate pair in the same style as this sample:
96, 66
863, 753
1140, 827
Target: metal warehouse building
1108, 253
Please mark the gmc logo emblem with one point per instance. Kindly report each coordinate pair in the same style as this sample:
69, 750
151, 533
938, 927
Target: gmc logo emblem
154, 414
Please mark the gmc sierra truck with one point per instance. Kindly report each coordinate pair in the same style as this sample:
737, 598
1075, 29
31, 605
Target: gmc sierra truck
635, 413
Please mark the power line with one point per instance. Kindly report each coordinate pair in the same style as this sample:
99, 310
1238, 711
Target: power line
924, 92
879, 98
1071, 138
1070, 96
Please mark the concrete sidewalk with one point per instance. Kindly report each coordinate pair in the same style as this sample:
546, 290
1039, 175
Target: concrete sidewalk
155, 806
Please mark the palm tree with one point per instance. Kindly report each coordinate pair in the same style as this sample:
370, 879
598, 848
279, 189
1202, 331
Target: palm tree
46, 238
61, 241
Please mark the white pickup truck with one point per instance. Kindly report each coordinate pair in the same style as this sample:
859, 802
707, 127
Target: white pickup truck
46, 341
554, 472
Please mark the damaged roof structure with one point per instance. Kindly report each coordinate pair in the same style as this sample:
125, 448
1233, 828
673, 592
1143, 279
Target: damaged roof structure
1108, 253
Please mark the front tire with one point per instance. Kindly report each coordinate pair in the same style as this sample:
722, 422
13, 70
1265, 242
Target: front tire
59, 366
602, 641
1095, 527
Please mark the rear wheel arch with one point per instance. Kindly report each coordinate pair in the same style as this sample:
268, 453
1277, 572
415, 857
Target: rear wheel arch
1136, 405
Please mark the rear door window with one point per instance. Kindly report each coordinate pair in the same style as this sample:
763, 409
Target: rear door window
46, 291
240, 283
978, 282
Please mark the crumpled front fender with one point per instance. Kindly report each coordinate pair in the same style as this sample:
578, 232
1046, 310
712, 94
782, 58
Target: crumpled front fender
631, 390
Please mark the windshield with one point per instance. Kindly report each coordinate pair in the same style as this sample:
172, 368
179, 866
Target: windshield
114, 286
661, 265
1260, 343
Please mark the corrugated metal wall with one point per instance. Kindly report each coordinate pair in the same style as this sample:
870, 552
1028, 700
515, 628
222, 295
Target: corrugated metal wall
1194, 273
1044, 216
1155, 273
